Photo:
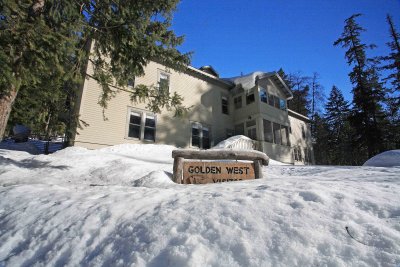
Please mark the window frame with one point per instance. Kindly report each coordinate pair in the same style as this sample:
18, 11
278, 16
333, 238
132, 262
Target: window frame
248, 102
159, 77
226, 104
142, 127
200, 126
236, 102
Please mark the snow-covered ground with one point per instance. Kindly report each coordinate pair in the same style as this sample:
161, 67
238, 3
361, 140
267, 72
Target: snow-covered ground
118, 207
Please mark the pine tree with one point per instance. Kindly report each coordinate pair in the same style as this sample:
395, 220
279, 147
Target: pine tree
300, 102
368, 92
337, 120
39, 38
392, 61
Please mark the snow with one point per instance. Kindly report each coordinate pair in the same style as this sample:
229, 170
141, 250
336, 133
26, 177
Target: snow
249, 81
386, 159
117, 206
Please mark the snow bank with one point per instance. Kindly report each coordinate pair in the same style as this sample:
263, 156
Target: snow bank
118, 207
386, 159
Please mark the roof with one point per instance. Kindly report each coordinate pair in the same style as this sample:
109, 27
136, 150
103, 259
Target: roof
298, 116
210, 70
250, 80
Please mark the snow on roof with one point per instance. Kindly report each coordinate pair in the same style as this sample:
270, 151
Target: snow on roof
250, 80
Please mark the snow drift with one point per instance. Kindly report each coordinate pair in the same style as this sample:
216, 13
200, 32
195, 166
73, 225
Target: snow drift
386, 159
118, 207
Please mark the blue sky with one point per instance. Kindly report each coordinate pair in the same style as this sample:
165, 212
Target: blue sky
240, 36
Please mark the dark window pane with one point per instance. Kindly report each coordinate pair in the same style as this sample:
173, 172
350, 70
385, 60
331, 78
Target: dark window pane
250, 123
277, 133
205, 133
276, 101
271, 100
224, 101
149, 134
268, 131
238, 102
195, 132
150, 122
282, 104
263, 96
131, 82
196, 141
135, 119
252, 133
250, 99
239, 129
195, 135
206, 143
134, 131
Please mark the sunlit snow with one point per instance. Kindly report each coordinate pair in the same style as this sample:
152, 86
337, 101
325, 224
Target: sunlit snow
118, 207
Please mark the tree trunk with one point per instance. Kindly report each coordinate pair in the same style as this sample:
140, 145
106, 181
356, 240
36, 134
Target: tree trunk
6, 103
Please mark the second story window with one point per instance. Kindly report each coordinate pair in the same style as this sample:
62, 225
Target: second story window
131, 82
263, 95
282, 104
163, 81
250, 99
225, 106
238, 102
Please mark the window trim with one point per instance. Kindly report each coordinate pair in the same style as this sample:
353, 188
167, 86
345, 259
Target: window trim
159, 74
236, 101
143, 115
224, 97
200, 128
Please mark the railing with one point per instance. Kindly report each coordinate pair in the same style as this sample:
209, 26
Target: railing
243, 144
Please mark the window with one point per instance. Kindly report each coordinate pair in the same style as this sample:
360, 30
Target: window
134, 125
271, 100
239, 129
268, 137
297, 153
131, 82
142, 125
150, 128
282, 104
195, 135
285, 135
225, 107
276, 101
277, 133
250, 99
263, 95
303, 131
238, 102
163, 81
251, 129
206, 137
200, 136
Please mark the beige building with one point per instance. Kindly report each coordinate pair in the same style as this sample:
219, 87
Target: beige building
254, 105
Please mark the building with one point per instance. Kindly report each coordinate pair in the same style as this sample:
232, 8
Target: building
254, 105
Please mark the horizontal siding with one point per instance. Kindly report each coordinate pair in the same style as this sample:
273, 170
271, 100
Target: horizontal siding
203, 96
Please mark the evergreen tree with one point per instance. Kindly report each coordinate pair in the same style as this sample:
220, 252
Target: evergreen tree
368, 92
38, 38
337, 121
392, 61
320, 137
300, 102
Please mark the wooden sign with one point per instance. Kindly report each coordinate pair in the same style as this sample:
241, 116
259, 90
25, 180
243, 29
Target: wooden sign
203, 172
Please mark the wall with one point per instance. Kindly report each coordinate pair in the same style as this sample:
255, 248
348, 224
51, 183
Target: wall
204, 96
